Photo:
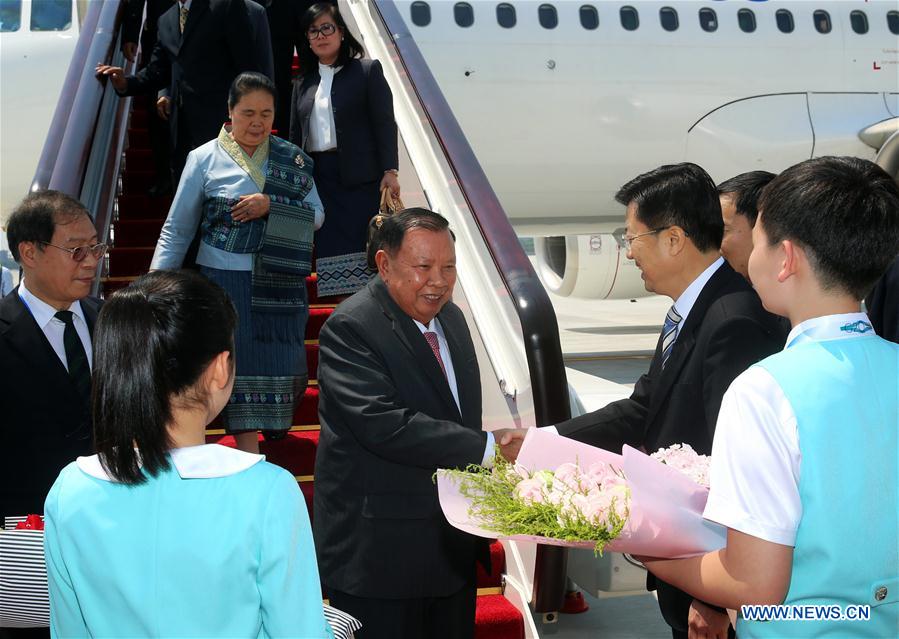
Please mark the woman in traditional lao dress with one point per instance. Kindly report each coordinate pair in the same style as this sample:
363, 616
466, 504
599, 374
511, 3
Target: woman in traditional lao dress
253, 197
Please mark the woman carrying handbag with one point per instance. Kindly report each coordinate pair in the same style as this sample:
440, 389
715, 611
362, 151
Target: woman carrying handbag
342, 115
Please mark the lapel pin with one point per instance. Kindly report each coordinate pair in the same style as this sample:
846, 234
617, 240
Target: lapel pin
298, 160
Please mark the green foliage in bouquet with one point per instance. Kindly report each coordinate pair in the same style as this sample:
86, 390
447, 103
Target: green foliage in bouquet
496, 506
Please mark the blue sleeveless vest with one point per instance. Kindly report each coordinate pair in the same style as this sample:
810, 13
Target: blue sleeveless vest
845, 394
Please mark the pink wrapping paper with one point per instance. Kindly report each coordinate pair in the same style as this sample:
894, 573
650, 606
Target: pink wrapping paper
665, 510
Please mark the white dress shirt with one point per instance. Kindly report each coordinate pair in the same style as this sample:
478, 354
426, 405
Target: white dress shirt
45, 316
756, 460
322, 130
683, 305
434, 327
687, 300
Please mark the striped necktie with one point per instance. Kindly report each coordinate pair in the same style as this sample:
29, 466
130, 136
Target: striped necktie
431, 338
76, 358
182, 18
669, 333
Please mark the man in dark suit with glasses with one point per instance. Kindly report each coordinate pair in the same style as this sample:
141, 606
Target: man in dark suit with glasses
46, 325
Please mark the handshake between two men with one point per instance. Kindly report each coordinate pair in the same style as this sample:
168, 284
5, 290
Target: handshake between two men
509, 441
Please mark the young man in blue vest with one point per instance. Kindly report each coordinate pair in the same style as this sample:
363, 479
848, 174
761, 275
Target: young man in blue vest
805, 460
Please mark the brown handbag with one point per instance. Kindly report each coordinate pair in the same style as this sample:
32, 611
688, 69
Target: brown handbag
390, 205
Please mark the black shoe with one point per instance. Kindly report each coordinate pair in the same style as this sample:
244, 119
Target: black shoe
160, 189
274, 435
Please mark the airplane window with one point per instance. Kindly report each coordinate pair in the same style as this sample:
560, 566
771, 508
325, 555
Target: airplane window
10, 15
421, 14
893, 21
549, 18
589, 17
51, 15
822, 21
668, 18
505, 15
784, 21
464, 14
746, 18
708, 20
630, 19
859, 21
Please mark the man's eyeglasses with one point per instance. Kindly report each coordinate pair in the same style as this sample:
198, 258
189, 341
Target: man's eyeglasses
325, 30
627, 240
80, 253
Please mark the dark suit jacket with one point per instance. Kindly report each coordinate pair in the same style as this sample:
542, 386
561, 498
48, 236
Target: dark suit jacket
199, 67
134, 14
284, 18
726, 331
262, 39
388, 422
363, 114
883, 304
45, 424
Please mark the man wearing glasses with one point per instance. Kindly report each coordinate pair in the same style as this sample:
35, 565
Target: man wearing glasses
45, 348
715, 330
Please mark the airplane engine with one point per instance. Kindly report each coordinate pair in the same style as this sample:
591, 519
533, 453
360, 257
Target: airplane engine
587, 266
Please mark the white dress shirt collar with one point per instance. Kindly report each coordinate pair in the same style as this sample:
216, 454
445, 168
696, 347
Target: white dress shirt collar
830, 327
42, 312
205, 461
185, 4
684, 304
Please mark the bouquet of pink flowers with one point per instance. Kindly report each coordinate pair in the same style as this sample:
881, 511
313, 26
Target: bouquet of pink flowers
562, 492
568, 503
683, 458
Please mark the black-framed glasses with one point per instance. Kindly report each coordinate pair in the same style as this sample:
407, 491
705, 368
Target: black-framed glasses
80, 253
325, 30
627, 240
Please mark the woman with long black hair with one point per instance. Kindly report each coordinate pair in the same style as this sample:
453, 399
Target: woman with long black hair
342, 115
160, 534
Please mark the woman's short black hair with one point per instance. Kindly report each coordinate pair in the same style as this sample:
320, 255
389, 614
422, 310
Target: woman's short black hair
247, 82
152, 342
844, 212
349, 46
681, 195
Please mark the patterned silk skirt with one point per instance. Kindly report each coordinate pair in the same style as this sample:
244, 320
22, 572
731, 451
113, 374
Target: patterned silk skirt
340, 242
271, 374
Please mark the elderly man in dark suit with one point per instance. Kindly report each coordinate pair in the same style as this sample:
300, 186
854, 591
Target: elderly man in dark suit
45, 348
201, 46
400, 398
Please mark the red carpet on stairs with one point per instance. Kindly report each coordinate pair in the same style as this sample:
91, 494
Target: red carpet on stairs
134, 235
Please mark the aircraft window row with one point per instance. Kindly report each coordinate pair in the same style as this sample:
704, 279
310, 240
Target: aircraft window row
46, 15
506, 17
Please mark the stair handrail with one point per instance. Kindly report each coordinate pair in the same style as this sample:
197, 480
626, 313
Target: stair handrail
530, 300
82, 152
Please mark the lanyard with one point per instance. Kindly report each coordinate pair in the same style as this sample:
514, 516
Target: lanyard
819, 332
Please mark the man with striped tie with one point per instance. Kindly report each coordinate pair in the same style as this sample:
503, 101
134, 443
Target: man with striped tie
45, 348
715, 329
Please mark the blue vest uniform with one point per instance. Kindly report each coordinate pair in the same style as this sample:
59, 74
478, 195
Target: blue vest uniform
845, 395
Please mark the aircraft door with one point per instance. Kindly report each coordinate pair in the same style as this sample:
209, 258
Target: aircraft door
769, 132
